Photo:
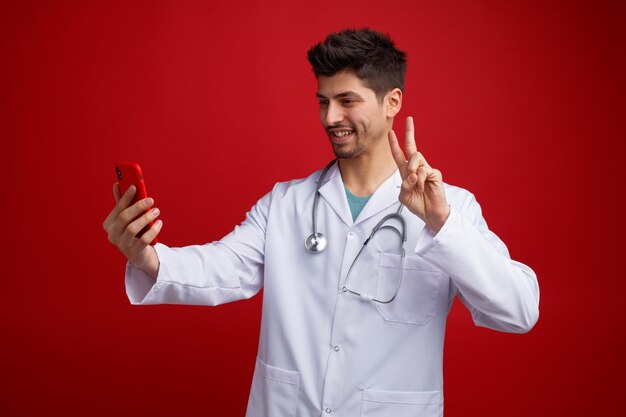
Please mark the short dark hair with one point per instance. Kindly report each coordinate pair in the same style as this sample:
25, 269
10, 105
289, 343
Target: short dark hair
371, 55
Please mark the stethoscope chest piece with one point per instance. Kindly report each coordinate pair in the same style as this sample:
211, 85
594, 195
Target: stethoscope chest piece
316, 242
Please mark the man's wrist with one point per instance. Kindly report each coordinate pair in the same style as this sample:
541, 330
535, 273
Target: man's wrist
150, 265
436, 224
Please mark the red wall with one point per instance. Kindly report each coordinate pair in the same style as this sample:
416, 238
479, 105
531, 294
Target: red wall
520, 102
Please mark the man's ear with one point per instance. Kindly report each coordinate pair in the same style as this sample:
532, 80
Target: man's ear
393, 101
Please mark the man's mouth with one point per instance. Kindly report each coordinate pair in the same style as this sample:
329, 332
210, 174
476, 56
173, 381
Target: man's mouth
339, 136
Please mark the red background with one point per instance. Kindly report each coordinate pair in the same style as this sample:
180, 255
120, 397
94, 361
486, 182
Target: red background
521, 102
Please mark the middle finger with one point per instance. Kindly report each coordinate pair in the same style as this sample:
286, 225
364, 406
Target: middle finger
129, 214
409, 137
414, 163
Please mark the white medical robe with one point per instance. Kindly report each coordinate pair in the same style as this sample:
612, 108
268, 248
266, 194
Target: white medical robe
324, 351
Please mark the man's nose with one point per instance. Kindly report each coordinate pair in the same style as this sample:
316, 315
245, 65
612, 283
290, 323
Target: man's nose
334, 114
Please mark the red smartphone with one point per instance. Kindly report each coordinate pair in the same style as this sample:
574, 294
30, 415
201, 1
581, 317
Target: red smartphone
129, 173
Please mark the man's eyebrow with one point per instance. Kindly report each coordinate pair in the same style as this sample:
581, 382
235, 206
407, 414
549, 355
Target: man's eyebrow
343, 94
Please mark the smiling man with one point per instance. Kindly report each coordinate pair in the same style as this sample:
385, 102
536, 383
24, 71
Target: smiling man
357, 290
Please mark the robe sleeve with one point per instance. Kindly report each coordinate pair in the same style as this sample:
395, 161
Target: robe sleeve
215, 273
501, 293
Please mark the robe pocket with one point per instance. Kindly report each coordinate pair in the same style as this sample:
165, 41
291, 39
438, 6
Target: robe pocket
274, 392
378, 403
417, 298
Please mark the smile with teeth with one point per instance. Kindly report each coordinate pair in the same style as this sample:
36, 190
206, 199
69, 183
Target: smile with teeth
341, 133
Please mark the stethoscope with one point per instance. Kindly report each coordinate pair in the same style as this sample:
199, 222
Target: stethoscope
316, 242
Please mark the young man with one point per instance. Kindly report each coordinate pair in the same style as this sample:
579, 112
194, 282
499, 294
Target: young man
353, 321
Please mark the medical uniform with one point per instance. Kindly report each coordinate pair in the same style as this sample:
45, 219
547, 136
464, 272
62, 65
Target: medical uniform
324, 351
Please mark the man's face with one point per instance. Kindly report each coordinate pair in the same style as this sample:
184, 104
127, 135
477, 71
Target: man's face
351, 114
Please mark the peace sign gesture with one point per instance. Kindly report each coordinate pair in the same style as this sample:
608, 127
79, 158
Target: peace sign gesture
422, 186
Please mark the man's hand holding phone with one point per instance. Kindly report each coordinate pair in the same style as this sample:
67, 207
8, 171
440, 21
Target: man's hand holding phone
123, 224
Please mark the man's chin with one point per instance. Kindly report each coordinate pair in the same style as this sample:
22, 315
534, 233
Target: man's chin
344, 152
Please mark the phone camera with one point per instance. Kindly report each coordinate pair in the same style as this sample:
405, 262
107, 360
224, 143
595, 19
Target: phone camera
119, 173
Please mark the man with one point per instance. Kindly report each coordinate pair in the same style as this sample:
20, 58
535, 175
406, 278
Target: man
355, 328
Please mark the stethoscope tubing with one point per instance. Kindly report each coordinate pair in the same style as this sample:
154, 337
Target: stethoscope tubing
317, 242
317, 193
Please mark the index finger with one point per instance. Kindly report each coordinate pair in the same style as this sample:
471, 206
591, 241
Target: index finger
409, 137
396, 151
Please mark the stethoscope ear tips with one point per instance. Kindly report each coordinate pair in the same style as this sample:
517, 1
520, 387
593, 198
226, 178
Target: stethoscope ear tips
315, 243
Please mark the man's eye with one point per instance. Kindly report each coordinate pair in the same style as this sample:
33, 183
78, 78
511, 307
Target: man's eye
323, 103
347, 101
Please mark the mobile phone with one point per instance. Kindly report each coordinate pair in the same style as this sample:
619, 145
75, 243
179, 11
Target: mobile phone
129, 173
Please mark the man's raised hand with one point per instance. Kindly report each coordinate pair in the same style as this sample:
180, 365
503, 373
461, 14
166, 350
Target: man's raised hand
122, 226
422, 186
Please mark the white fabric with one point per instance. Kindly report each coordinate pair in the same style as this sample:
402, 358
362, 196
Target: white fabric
323, 351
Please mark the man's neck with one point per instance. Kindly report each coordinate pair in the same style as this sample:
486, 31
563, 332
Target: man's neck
363, 174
